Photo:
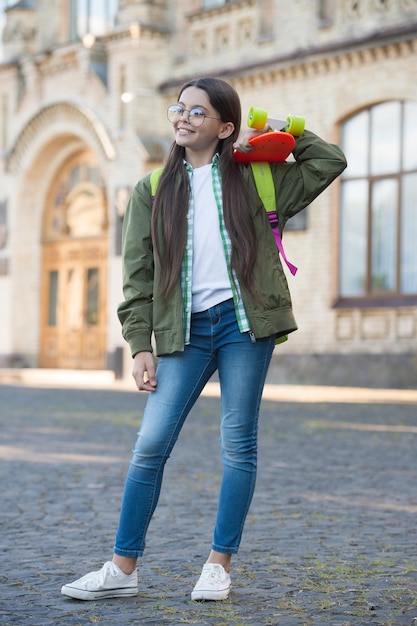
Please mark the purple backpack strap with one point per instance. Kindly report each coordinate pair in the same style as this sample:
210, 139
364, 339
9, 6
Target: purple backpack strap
273, 220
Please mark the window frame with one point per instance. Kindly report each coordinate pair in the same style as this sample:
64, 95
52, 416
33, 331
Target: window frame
372, 297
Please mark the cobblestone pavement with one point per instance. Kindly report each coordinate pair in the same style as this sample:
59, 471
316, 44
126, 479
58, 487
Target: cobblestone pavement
331, 537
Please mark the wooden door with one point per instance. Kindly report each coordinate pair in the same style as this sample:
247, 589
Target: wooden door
74, 272
74, 314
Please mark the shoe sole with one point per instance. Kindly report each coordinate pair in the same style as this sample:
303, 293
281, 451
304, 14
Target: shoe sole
210, 595
82, 594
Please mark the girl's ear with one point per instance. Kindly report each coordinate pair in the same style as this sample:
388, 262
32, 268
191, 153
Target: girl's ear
226, 130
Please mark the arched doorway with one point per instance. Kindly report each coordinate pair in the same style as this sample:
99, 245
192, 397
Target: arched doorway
74, 268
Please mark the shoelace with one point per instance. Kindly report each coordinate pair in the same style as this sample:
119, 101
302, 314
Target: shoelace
215, 573
110, 569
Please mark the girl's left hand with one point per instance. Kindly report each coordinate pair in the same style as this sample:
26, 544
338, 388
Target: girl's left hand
242, 143
144, 371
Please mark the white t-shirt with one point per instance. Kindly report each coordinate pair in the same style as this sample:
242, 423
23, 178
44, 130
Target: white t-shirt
210, 283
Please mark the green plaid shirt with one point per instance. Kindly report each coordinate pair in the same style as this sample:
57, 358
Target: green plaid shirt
187, 264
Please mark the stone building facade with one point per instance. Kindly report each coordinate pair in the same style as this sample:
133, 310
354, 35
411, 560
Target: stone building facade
84, 86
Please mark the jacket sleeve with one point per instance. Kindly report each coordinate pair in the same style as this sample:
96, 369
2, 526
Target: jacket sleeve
135, 313
317, 164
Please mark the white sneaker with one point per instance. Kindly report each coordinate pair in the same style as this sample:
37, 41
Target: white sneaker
213, 584
108, 582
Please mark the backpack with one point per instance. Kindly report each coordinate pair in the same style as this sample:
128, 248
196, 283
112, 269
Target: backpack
266, 191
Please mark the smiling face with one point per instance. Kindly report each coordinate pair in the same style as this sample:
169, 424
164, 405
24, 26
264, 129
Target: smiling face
200, 143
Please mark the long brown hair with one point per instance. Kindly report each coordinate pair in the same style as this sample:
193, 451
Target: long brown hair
169, 221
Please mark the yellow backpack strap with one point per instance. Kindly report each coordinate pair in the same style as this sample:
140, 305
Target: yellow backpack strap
264, 185
155, 176
266, 191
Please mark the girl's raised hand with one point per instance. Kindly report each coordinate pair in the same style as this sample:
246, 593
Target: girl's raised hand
242, 143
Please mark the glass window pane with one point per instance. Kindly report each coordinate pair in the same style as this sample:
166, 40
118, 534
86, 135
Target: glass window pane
93, 16
410, 136
53, 299
384, 235
74, 298
353, 237
82, 17
92, 296
385, 138
74, 177
210, 4
98, 17
409, 235
355, 144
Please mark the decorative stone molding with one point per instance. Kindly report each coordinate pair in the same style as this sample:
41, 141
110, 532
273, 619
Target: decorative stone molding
358, 325
336, 57
19, 32
406, 325
60, 112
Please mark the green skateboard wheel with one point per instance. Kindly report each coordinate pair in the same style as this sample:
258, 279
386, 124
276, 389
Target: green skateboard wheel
257, 118
295, 125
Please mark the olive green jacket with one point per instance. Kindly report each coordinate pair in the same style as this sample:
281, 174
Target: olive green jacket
297, 184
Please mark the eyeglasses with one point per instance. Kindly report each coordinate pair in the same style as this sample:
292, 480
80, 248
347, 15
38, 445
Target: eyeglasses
196, 116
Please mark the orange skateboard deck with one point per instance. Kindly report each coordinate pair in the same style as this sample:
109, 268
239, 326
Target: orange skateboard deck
270, 146
276, 143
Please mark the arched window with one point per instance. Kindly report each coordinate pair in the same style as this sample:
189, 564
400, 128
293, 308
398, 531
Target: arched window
378, 225
77, 207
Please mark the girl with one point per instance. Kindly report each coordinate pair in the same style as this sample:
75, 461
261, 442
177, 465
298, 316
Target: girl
201, 271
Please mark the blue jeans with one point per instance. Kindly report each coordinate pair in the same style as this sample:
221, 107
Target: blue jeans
216, 343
